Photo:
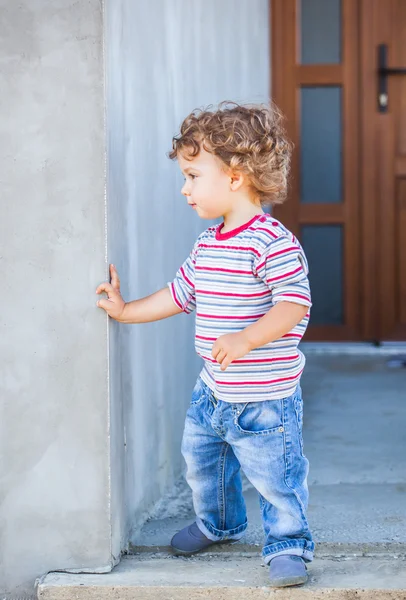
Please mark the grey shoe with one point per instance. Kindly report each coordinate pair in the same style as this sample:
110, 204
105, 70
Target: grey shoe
190, 540
286, 570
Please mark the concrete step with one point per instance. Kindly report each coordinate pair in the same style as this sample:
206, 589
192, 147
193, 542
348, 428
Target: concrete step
230, 577
354, 428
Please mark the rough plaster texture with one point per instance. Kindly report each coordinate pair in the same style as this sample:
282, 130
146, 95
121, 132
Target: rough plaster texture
65, 453
163, 60
54, 445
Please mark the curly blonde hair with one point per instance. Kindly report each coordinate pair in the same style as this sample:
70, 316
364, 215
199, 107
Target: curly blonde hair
247, 138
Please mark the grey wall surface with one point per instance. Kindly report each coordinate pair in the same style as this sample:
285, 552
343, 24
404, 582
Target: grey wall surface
54, 442
92, 411
163, 60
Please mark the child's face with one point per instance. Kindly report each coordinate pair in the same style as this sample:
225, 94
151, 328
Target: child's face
207, 185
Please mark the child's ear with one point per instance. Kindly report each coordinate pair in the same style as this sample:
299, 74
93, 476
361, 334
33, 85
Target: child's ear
236, 181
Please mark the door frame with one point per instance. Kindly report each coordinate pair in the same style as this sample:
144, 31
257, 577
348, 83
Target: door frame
287, 76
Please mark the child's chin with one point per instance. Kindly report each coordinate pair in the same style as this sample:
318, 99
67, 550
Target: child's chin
202, 214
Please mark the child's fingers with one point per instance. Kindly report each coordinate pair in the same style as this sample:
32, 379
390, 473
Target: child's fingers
106, 304
225, 364
221, 356
215, 349
115, 279
105, 287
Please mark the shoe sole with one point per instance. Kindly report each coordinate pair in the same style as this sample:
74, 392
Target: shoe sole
289, 581
179, 552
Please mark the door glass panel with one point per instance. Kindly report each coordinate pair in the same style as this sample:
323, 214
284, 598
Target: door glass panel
320, 25
323, 245
321, 145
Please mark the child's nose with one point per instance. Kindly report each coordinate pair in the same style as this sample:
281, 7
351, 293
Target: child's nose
185, 190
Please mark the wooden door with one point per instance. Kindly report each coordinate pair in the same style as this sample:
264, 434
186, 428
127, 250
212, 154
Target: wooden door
347, 202
315, 82
383, 22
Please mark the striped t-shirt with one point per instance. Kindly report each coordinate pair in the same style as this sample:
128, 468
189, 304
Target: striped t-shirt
232, 280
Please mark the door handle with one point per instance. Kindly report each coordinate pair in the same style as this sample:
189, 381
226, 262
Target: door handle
383, 73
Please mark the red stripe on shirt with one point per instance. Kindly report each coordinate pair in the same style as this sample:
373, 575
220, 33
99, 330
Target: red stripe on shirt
175, 297
230, 295
228, 317
258, 382
284, 275
284, 251
271, 233
186, 278
296, 296
255, 360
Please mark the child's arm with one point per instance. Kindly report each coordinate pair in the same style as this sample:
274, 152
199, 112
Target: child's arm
151, 308
278, 321
283, 267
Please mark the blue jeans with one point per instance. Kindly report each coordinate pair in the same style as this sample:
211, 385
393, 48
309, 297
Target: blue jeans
265, 440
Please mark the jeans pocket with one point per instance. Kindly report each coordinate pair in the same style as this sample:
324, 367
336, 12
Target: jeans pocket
198, 392
259, 418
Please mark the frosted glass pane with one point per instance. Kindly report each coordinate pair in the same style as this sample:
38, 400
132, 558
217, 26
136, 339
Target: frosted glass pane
323, 245
321, 31
321, 145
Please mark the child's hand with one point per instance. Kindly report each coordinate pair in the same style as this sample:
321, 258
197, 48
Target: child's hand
114, 304
229, 347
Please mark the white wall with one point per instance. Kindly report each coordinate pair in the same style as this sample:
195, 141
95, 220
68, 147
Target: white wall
164, 58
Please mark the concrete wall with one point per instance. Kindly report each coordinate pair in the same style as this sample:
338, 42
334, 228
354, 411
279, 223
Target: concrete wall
163, 60
90, 440
54, 444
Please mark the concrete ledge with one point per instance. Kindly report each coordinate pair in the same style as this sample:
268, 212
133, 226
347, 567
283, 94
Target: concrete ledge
353, 348
229, 578
323, 550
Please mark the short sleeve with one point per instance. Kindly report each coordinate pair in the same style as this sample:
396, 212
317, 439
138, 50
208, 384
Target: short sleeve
283, 267
182, 287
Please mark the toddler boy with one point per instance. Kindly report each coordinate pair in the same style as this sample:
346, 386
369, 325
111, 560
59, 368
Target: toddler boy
247, 280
